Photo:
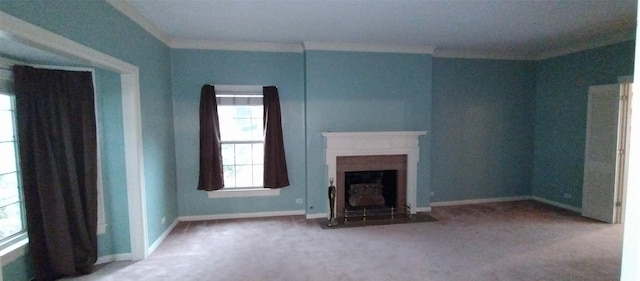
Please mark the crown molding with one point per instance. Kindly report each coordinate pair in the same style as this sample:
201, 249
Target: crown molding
237, 46
126, 9
591, 43
458, 54
365, 47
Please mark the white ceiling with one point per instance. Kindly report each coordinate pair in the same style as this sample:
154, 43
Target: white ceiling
503, 28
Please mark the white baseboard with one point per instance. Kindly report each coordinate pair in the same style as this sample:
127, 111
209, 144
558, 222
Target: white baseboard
505, 199
480, 201
422, 209
155, 245
557, 204
242, 215
317, 216
116, 257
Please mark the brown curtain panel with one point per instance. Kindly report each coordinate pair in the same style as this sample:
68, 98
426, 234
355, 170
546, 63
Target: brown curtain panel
211, 175
275, 163
57, 142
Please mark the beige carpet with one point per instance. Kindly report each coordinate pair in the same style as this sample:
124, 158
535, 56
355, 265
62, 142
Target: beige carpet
500, 241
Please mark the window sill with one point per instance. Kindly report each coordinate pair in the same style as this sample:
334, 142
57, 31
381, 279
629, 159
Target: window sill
13, 252
249, 192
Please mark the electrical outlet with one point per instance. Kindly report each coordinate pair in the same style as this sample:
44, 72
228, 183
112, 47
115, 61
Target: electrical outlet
164, 219
567, 196
299, 201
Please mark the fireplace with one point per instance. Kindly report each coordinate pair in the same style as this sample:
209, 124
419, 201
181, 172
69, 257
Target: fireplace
374, 153
375, 182
373, 189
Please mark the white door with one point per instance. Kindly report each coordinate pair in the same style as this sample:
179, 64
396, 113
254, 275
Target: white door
602, 168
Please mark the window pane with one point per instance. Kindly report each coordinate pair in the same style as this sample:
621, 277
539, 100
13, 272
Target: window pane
10, 220
9, 192
229, 176
240, 122
244, 176
243, 111
243, 129
256, 112
256, 123
227, 126
243, 154
258, 153
228, 154
6, 125
257, 131
227, 122
258, 175
8, 163
5, 102
225, 111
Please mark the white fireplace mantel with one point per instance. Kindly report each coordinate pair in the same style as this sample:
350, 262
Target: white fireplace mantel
377, 143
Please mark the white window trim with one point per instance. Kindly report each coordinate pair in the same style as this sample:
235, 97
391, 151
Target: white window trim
241, 192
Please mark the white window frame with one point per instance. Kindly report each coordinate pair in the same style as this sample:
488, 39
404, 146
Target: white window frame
226, 90
13, 248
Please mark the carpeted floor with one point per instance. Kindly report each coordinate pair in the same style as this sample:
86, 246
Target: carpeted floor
522, 240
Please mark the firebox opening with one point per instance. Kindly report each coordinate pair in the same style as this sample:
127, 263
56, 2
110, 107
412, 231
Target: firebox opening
371, 189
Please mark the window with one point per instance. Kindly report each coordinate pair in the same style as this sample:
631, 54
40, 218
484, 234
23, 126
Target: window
12, 223
240, 116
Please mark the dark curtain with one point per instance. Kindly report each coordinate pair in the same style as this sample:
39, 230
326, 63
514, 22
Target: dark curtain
57, 143
211, 175
275, 164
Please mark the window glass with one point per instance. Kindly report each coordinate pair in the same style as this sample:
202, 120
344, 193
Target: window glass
8, 183
6, 125
11, 209
8, 163
242, 144
5, 102
11, 220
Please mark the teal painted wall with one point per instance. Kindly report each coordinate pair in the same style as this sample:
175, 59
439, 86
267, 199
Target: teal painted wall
20, 269
97, 25
561, 116
357, 91
483, 122
193, 68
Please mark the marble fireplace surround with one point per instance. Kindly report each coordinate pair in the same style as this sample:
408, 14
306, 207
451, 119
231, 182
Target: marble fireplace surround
372, 144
